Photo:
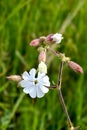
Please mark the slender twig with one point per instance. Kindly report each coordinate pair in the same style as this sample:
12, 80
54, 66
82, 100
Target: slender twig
52, 87
61, 97
58, 54
60, 75
64, 107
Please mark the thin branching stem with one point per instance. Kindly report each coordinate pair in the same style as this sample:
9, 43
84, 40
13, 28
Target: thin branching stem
60, 75
58, 54
61, 96
58, 86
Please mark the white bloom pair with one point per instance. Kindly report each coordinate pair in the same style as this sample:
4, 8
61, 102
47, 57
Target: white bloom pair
35, 86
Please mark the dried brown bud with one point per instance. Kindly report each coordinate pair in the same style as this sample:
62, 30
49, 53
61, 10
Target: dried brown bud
42, 56
35, 42
77, 68
14, 78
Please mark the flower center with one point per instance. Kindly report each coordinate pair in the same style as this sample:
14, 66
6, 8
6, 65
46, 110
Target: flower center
36, 81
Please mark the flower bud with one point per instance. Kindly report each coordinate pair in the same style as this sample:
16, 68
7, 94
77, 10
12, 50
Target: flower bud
49, 38
14, 78
42, 56
54, 38
77, 68
35, 42
42, 68
57, 38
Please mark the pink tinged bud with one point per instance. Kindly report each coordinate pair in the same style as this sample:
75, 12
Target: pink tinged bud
14, 78
77, 68
35, 42
42, 56
49, 38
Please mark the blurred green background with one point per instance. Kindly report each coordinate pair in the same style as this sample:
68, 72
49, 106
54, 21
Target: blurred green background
20, 22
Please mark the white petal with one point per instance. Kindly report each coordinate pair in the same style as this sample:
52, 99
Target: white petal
25, 83
43, 88
58, 35
33, 92
39, 93
25, 75
45, 81
32, 73
27, 90
40, 75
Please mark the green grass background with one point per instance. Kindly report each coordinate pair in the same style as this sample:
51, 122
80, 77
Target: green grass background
20, 22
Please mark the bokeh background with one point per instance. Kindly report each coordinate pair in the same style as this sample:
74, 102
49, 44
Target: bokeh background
20, 22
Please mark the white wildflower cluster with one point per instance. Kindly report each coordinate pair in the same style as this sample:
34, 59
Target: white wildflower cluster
36, 83
37, 86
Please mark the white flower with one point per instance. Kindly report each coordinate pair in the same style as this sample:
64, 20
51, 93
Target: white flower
35, 86
42, 67
57, 37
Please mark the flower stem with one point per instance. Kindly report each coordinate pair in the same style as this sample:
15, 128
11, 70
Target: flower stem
58, 86
64, 107
61, 96
58, 54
